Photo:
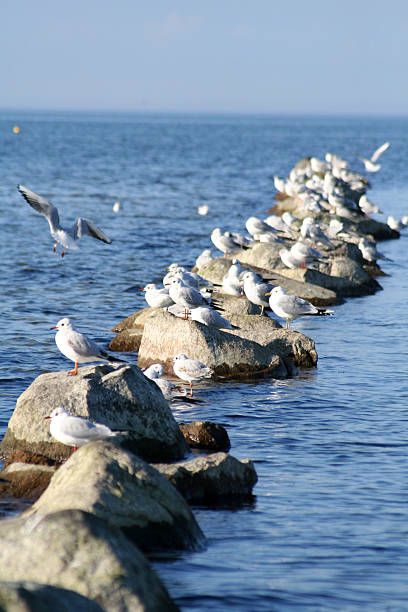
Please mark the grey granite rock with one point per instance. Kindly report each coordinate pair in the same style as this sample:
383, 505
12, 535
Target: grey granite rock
77, 551
211, 477
120, 397
124, 491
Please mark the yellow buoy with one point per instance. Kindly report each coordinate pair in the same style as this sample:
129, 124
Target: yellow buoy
16, 129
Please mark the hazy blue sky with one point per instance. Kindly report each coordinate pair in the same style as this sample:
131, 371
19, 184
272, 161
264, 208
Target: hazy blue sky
303, 56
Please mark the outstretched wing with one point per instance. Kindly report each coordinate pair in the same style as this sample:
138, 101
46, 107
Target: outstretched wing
85, 227
42, 206
379, 151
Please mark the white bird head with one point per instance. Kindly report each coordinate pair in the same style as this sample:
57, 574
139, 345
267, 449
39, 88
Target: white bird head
180, 357
64, 323
155, 370
149, 287
59, 411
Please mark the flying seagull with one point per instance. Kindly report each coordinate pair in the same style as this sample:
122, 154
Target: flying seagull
66, 237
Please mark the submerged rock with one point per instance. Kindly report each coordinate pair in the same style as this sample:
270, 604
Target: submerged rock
205, 435
124, 491
211, 477
120, 397
80, 552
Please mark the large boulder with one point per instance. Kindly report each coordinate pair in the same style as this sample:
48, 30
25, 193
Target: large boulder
292, 346
77, 551
165, 336
124, 491
120, 397
211, 477
35, 597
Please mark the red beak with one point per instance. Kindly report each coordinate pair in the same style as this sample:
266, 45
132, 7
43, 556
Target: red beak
47, 417
54, 327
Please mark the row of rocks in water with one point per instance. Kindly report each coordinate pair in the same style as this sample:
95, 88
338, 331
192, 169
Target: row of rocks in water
98, 510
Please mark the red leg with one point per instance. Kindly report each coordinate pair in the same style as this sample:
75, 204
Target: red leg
55, 247
63, 252
191, 389
75, 449
74, 372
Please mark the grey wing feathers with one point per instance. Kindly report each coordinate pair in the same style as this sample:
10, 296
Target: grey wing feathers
83, 346
84, 227
41, 205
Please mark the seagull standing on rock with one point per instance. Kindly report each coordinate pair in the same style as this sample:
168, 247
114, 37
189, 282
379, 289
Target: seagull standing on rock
256, 292
76, 431
190, 370
292, 307
66, 237
78, 347
185, 296
157, 298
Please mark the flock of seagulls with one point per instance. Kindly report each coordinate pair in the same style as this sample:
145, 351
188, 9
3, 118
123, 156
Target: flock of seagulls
318, 185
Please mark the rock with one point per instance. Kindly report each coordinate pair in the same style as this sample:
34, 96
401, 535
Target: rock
136, 320
205, 435
120, 397
127, 340
124, 491
377, 229
347, 278
25, 480
77, 551
211, 477
292, 346
262, 255
231, 304
35, 597
130, 330
165, 336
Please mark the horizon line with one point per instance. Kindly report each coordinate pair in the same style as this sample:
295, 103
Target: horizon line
249, 113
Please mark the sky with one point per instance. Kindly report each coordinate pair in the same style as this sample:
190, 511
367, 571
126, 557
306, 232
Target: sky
238, 56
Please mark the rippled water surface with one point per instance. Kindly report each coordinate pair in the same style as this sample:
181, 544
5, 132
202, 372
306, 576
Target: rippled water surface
327, 528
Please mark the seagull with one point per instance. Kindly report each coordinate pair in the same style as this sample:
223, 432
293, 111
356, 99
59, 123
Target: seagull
204, 258
157, 298
369, 251
292, 307
76, 431
185, 296
66, 237
190, 370
395, 224
78, 347
231, 282
255, 291
224, 242
367, 207
203, 209
155, 373
370, 164
312, 230
289, 260
255, 226
305, 254
210, 317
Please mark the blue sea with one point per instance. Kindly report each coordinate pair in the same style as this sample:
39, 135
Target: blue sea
328, 525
